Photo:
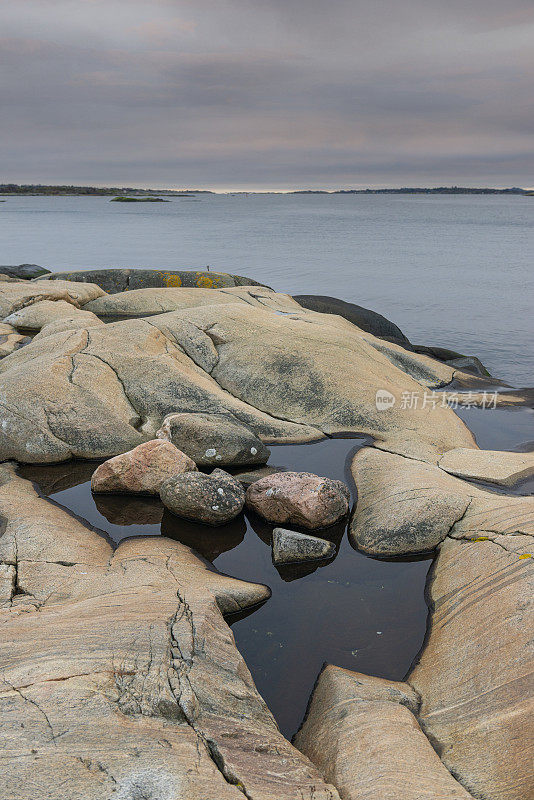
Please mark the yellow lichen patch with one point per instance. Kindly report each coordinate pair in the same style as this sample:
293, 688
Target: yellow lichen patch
205, 282
526, 555
171, 280
481, 539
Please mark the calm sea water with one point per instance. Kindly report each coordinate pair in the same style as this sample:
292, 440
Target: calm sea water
455, 271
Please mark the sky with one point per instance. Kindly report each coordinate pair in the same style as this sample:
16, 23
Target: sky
267, 94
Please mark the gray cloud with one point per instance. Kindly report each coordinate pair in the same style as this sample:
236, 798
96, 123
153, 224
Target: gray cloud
270, 94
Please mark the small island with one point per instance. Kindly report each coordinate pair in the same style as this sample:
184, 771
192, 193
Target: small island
138, 200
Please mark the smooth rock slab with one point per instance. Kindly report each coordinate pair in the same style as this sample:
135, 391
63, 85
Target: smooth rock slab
37, 315
300, 498
212, 499
142, 470
214, 439
475, 672
362, 734
493, 466
290, 547
24, 271
18, 294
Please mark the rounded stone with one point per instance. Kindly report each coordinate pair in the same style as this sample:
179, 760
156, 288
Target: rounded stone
212, 499
300, 498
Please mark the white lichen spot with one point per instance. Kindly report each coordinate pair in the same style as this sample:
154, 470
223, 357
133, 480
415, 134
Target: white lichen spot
269, 492
254, 450
215, 508
220, 491
210, 452
218, 457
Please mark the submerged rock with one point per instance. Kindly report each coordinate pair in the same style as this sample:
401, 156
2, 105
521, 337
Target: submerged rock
300, 498
212, 499
214, 439
247, 477
289, 547
141, 470
363, 735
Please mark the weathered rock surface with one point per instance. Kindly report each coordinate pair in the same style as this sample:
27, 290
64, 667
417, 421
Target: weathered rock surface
17, 295
300, 498
119, 675
213, 499
494, 466
69, 323
141, 470
362, 734
36, 315
121, 280
214, 439
290, 547
363, 318
146, 302
475, 672
101, 391
407, 506
10, 340
24, 271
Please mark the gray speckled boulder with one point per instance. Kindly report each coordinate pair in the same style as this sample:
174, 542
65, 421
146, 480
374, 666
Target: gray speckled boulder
300, 498
24, 271
121, 280
213, 439
290, 547
213, 499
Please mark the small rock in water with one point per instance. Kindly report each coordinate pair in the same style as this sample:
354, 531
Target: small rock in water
301, 498
289, 547
141, 470
212, 499
213, 439
250, 476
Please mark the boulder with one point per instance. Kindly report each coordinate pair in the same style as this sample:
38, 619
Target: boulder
212, 499
119, 675
470, 364
363, 318
362, 734
214, 439
300, 498
24, 271
141, 470
10, 340
121, 280
474, 674
37, 315
289, 547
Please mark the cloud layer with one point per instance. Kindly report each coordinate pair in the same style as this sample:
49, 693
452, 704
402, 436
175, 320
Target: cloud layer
267, 93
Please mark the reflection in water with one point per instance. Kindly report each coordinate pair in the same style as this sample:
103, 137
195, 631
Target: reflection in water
357, 612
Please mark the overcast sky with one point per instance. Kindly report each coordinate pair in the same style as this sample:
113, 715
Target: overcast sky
267, 94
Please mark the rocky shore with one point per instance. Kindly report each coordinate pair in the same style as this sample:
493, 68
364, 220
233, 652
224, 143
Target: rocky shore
120, 677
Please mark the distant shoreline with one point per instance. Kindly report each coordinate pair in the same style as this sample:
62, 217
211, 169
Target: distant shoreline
94, 191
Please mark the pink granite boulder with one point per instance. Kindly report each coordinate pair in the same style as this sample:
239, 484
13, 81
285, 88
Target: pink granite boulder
300, 498
141, 470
